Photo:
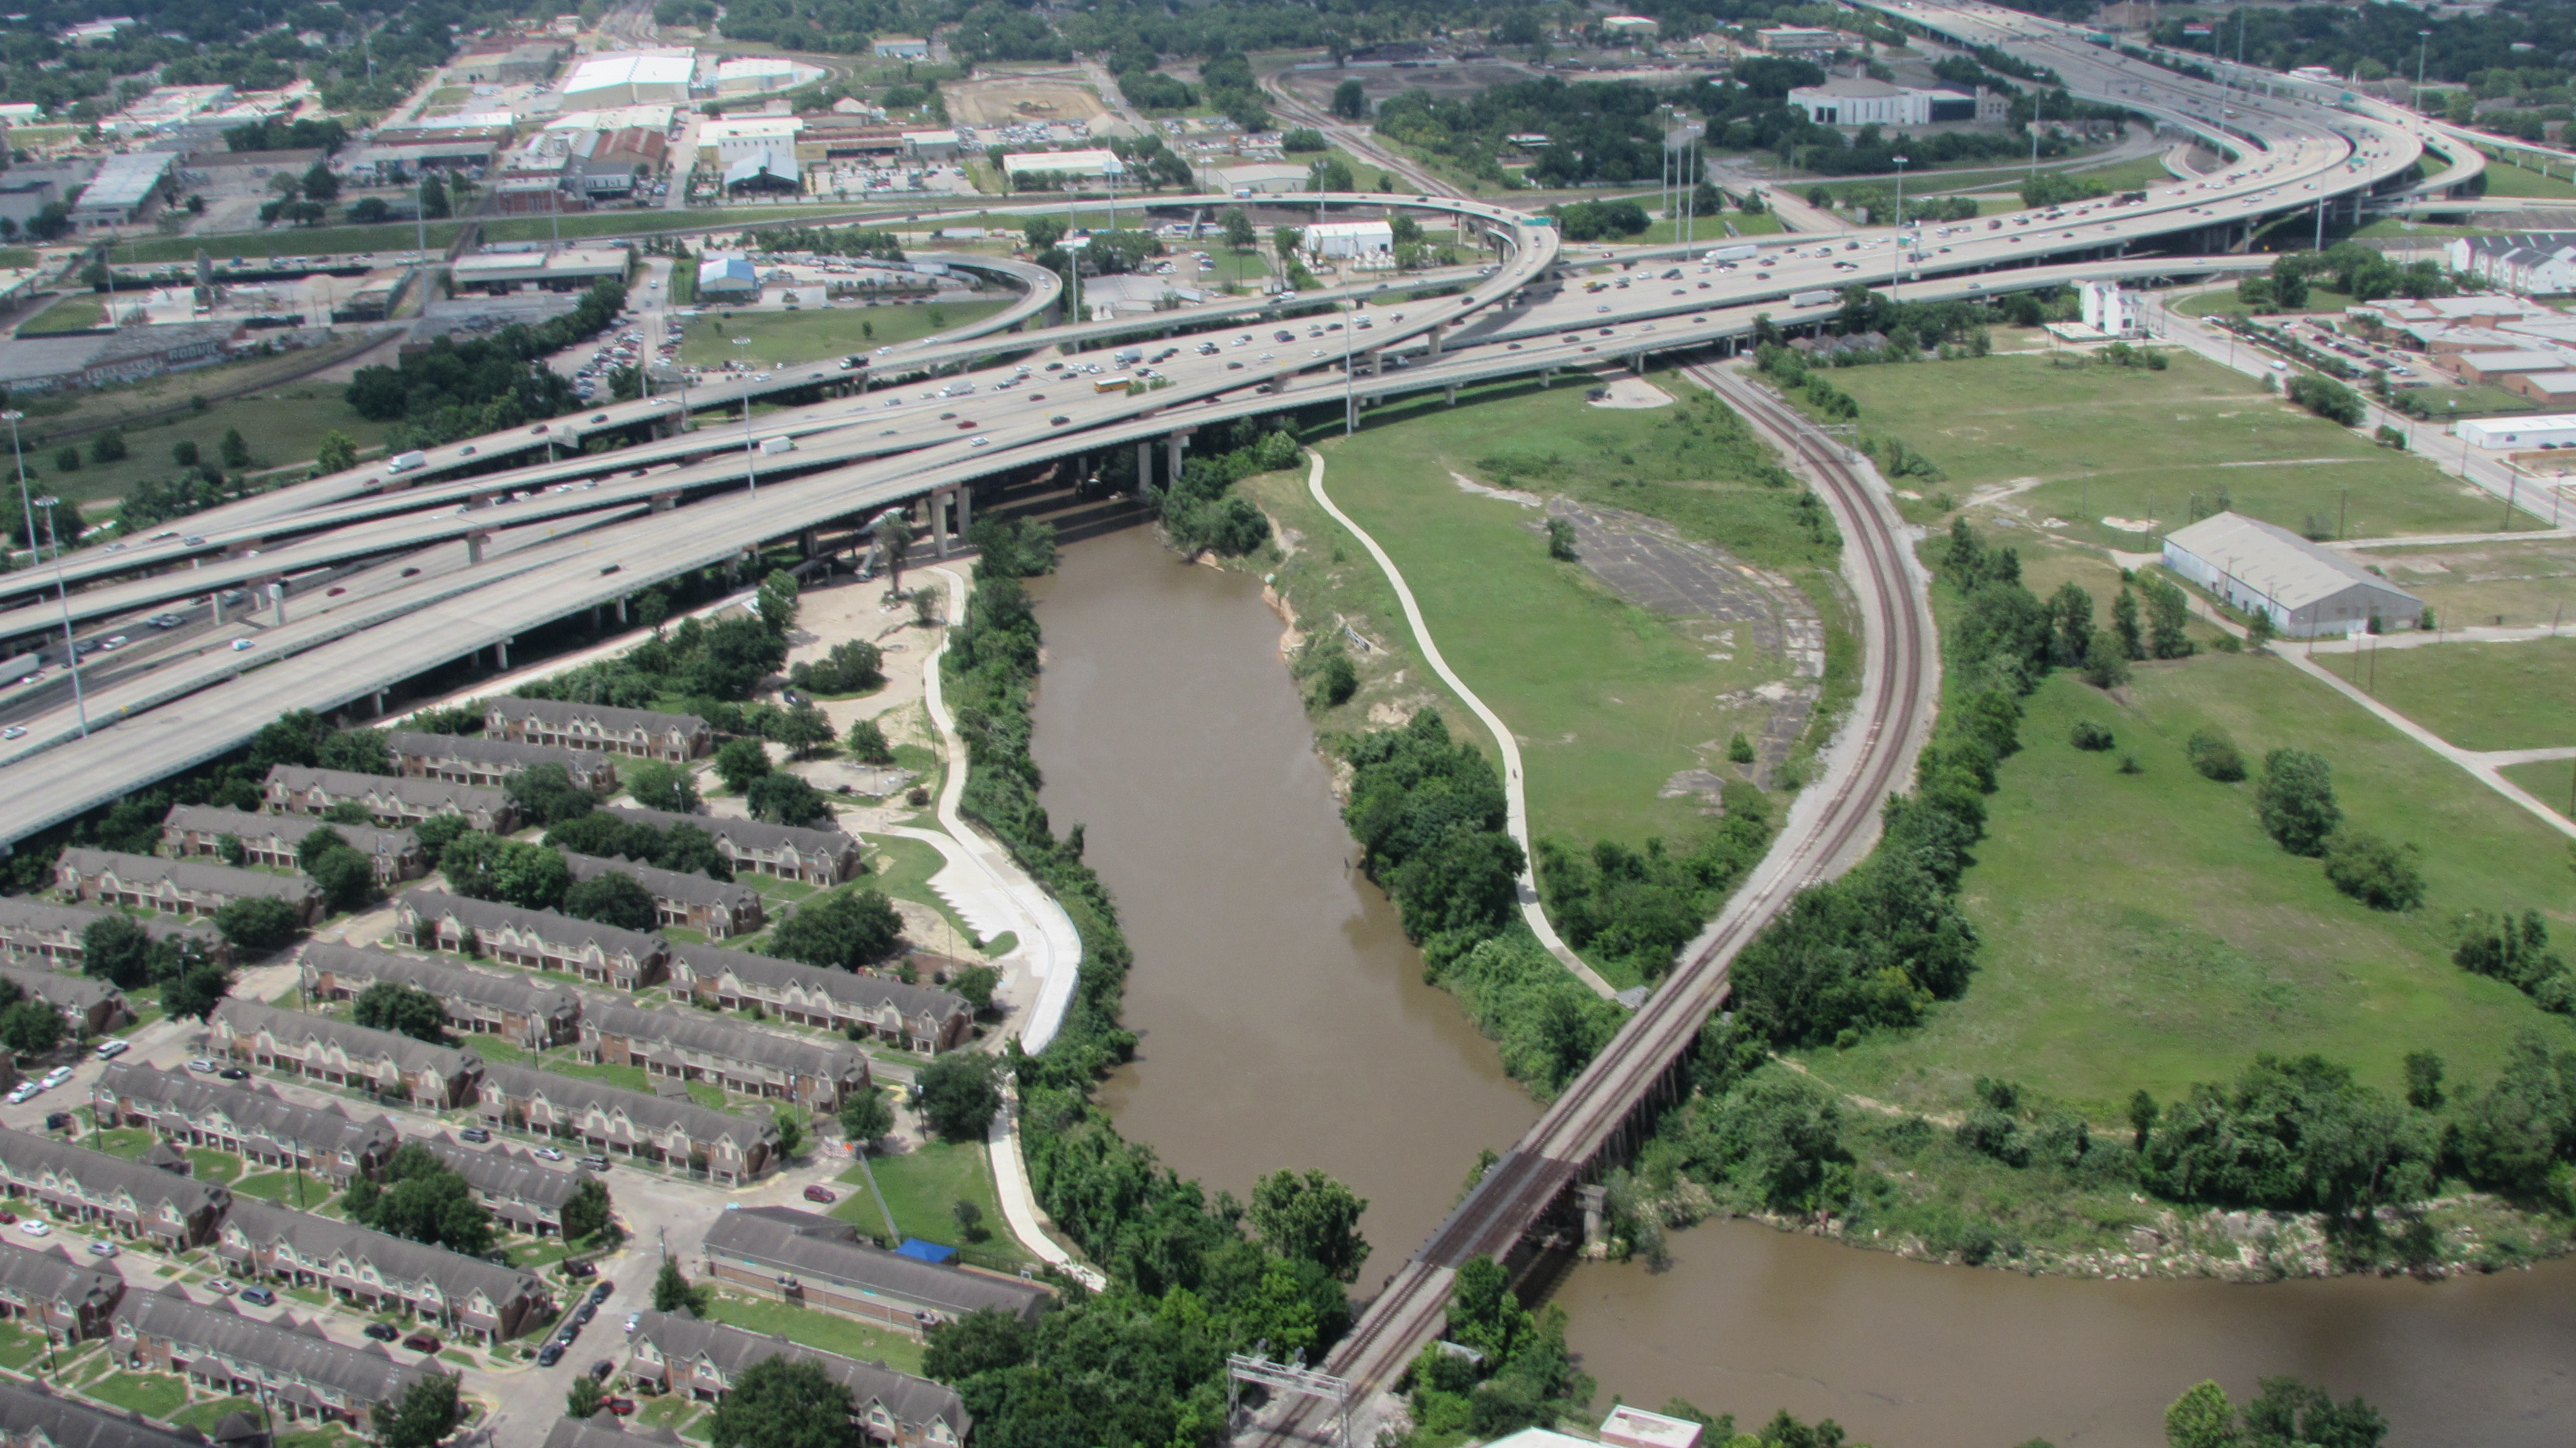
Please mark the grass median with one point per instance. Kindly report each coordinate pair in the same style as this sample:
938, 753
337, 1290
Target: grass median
2478, 696
815, 1328
812, 333
923, 1187
2140, 930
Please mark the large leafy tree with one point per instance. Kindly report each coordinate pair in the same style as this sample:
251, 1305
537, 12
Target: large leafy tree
389, 1005
421, 1198
428, 1412
782, 1402
1314, 1218
844, 930
115, 949
613, 897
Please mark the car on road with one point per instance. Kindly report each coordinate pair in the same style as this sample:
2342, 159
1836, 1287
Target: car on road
422, 1342
202, 1066
466, 451
820, 1193
622, 1407
474, 1134
57, 1076
109, 1049
221, 1287
193, 541
382, 1331
600, 1370
578, 1269
632, 1319
600, 1292
102, 1249
14, 731
259, 1297
550, 1354
241, 645
34, 1228
582, 1315
594, 1162
234, 1073
548, 1153
979, 442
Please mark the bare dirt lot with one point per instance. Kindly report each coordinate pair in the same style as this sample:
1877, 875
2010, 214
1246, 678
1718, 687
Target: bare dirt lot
1002, 100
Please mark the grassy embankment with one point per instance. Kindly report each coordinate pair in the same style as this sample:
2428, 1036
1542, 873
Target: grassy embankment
2503, 178
922, 1188
2222, 302
2081, 443
1607, 700
2479, 696
812, 333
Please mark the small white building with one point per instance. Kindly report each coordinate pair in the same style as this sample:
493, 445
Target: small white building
1847, 101
1630, 27
1092, 165
751, 74
2507, 434
902, 47
2308, 590
939, 146
1361, 242
2109, 310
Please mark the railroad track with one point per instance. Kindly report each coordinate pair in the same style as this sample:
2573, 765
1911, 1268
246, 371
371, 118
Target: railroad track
1827, 831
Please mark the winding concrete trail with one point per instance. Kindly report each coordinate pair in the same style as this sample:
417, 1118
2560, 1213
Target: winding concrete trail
1517, 820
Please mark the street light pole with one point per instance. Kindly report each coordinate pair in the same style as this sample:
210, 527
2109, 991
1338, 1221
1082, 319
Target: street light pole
70, 654
750, 454
2422, 38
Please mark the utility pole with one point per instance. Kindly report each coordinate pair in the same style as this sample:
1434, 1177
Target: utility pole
750, 454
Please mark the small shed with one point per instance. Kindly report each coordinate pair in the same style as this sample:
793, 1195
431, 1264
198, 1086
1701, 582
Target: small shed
2307, 589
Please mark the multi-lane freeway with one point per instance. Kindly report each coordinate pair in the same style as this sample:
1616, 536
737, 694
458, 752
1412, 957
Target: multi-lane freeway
387, 577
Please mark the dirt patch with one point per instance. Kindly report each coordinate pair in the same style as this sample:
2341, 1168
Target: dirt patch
1004, 100
1644, 561
1629, 393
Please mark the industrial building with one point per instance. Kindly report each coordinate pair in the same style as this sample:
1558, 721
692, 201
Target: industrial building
1359, 241
1081, 165
752, 74
1797, 39
2509, 433
123, 189
2308, 590
902, 47
727, 274
1849, 101
630, 78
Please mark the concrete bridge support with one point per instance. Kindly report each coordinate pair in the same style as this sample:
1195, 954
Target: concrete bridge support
621, 608
665, 502
501, 655
474, 548
1173, 442
277, 596
965, 511
382, 696
938, 504
1453, 394
809, 541
1145, 469
1435, 338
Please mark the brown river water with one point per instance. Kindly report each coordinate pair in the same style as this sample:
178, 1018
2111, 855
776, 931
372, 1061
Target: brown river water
1285, 1024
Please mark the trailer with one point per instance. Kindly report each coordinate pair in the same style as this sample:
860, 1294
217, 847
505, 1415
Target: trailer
1814, 299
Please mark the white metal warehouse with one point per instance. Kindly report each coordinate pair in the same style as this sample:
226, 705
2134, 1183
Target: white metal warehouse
2307, 589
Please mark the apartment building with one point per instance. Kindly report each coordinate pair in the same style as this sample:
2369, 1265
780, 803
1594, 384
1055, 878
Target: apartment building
597, 728
272, 840
175, 887
127, 1197
339, 1053
481, 760
697, 1046
304, 1376
390, 799
532, 1013
373, 1271
612, 1121
917, 1018
252, 1122
790, 852
683, 897
539, 939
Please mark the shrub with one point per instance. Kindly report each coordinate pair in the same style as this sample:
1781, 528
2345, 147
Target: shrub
2373, 871
2215, 756
2089, 735
2295, 800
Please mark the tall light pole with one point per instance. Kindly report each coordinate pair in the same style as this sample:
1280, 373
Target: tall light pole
1900, 190
71, 655
750, 454
2422, 39
420, 211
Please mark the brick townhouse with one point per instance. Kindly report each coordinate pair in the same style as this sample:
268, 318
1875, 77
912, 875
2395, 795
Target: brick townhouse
790, 852
539, 939
915, 1017
697, 1046
597, 728
337, 1053
532, 1013
176, 887
271, 839
252, 1122
683, 897
479, 759
390, 799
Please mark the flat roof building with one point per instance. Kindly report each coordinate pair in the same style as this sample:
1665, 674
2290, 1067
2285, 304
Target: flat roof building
902, 47
1797, 39
124, 186
1088, 165
630, 78
2308, 590
817, 1261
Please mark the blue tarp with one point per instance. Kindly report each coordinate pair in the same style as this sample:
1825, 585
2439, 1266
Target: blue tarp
926, 1251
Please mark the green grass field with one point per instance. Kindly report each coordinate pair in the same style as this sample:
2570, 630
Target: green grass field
2552, 782
906, 876
203, 1416
2481, 696
208, 1165
129, 1142
73, 313
281, 1187
2503, 178
2531, 580
154, 1395
2142, 931
814, 333
2222, 301
817, 1329
2084, 442
922, 1187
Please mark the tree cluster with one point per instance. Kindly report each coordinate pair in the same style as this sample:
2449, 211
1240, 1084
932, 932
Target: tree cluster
1637, 908
422, 1198
457, 389
2287, 1414
1202, 510
857, 241
2516, 951
854, 666
1523, 1375
843, 930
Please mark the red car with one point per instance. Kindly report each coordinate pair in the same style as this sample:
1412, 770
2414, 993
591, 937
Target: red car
422, 1342
819, 1194
622, 1407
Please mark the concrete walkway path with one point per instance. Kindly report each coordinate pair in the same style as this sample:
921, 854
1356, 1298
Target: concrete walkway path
1020, 1201
1517, 822
982, 882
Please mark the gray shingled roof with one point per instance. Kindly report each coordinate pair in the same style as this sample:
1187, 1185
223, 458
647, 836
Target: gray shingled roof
28, 1156
750, 833
29, 914
195, 875
501, 1172
255, 1111
871, 992
250, 1017
30, 1408
771, 1243
602, 1430
521, 993
292, 828
483, 749
50, 1275
368, 1374
912, 1402
653, 1112
566, 930
64, 991
431, 795
717, 1036
686, 886
558, 713
457, 1275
